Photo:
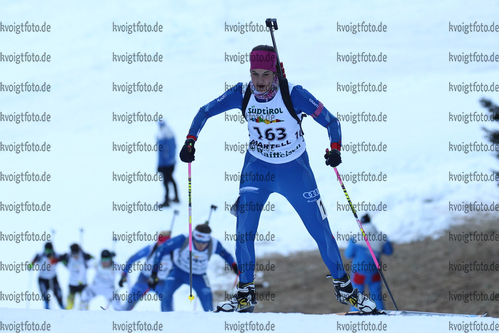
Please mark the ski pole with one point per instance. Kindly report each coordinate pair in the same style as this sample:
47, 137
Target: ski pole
175, 213
191, 296
231, 291
81, 237
272, 24
365, 237
30, 281
212, 208
113, 249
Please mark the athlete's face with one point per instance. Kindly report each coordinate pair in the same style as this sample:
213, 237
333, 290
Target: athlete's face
262, 79
105, 262
200, 246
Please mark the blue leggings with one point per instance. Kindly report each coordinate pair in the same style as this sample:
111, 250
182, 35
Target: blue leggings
178, 277
295, 181
139, 289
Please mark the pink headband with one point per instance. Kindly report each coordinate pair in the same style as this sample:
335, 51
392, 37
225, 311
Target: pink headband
263, 60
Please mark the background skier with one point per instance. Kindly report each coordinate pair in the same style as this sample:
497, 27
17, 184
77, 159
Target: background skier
103, 283
77, 263
140, 287
204, 247
47, 277
166, 160
363, 267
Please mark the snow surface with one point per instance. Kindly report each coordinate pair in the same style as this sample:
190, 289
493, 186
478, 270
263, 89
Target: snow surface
182, 321
194, 42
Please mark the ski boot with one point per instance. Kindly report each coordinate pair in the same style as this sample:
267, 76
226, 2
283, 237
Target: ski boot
165, 204
243, 301
346, 294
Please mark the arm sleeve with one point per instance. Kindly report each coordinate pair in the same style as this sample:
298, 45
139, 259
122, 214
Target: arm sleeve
167, 247
222, 252
141, 254
388, 248
231, 99
350, 251
63, 258
35, 259
303, 101
87, 256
